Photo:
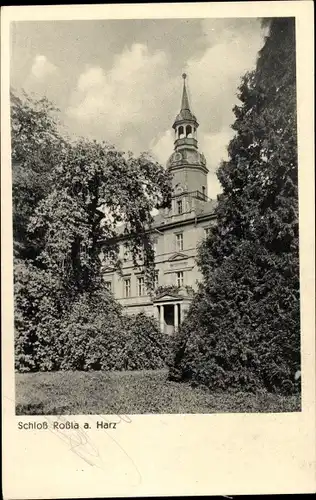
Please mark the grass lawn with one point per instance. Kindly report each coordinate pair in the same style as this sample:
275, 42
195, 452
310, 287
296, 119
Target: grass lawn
78, 393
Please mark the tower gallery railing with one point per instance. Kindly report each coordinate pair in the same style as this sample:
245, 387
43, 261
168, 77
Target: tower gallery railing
193, 194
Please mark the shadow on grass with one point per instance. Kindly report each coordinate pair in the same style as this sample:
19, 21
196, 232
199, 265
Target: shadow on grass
30, 409
38, 409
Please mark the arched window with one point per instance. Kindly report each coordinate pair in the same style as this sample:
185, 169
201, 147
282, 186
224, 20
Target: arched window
188, 131
181, 132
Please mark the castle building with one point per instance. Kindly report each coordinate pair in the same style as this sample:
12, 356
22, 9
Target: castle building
176, 234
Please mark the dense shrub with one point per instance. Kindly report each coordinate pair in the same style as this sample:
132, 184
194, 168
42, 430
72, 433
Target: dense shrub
38, 310
147, 347
96, 336
90, 333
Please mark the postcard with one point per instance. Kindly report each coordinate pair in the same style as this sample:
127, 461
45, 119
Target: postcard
158, 250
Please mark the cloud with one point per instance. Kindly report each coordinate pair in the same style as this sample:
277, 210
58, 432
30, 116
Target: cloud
42, 68
133, 103
232, 47
232, 50
162, 147
44, 78
214, 147
121, 100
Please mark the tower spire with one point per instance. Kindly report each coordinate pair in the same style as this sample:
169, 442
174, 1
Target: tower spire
185, 116
185, 100
186, 163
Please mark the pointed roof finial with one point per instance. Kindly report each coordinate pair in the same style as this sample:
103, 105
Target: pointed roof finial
185, 100
185, 111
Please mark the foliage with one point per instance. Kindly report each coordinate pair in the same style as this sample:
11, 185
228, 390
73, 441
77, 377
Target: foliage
98, 192
92, 334
36, 145
172, 289
73, 201
243, 329
38, 310
146, 347
96, 336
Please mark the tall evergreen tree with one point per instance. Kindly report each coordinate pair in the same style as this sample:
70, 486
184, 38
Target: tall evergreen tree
243, 328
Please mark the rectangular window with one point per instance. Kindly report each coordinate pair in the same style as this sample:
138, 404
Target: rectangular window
108, 286
140, 286
179, 207
179, 278
207, 231
156, 283
179, 242
127, 287
204, 191
155, 244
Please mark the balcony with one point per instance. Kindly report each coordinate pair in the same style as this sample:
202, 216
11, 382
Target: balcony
198, 195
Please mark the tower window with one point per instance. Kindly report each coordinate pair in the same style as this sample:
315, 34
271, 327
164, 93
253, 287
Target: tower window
179, 275
181, 132
179, 207
204, 191
179, 242
188, 131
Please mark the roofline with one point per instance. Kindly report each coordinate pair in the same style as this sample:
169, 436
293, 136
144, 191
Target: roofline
187, 120
193, 166
185, 222
174, 224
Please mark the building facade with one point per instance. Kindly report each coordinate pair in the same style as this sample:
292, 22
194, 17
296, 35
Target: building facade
176, 234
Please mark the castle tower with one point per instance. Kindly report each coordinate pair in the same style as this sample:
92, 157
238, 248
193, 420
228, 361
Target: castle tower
186, 163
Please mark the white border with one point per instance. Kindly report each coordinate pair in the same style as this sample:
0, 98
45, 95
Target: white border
221, 454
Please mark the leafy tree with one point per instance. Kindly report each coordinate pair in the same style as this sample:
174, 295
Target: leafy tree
36, 143
100, 197
73, 202
243, 329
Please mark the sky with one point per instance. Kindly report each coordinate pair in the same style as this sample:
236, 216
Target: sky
120, 80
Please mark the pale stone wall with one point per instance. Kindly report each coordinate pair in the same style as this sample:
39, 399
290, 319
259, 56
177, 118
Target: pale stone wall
169, 260
191, 177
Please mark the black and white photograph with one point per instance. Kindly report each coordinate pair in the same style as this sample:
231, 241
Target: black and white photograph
156, 227
155, 216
